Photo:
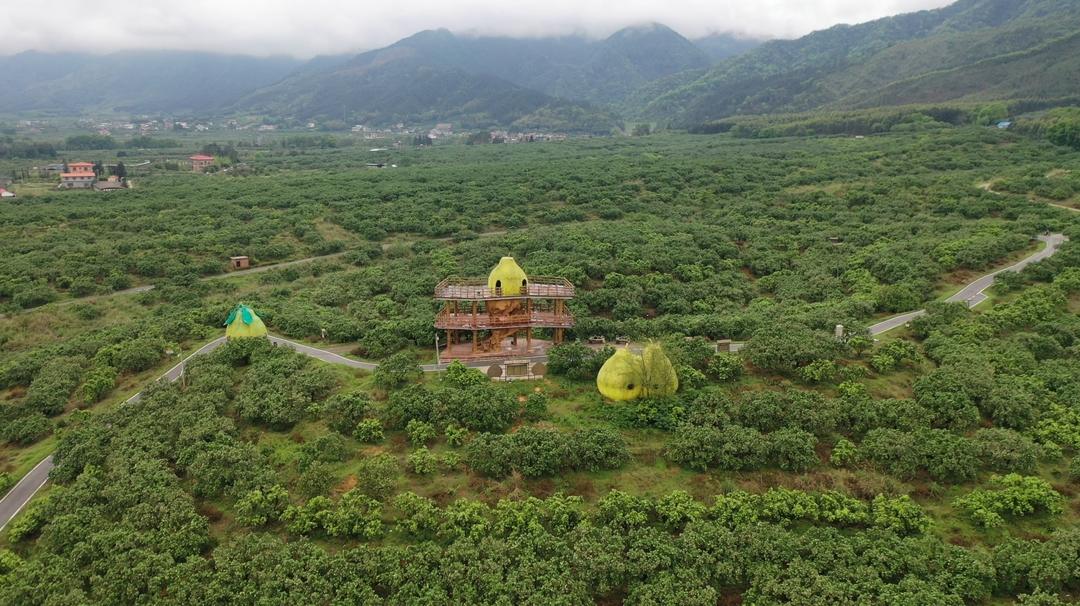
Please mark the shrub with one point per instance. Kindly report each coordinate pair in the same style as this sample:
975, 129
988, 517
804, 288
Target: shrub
484, 407
792, 449
576, 360
328, 448
355, 515
1012, 402
53, 385
892, 451
598, 448
536, 406
305, 519
731, 448
344, 411
420, 432
844, 453
900, 515
819, 371
260, 507
945, 395
490, 455
725, 367
677, 509
1074, 468
694, 446
29, 523
947, 456
455, 435
396, 370
890, 355
539, 452
461, 376
421, 461
419, 517
133, 355
315, 480
660, 412
450, 460
26, 429
623, 511
378, 475
99, 381
369, 431
536, 452
1005, 450
785, 346
413, 402
1013, 495
690, 377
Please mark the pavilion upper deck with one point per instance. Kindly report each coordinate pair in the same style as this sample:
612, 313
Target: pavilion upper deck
476, 289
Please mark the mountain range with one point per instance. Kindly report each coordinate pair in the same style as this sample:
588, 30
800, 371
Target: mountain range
972, 50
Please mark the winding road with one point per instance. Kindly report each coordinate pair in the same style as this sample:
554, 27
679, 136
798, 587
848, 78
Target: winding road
17, 498
973, 293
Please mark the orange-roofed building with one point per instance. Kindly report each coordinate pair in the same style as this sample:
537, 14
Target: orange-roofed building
200, 162
79, 175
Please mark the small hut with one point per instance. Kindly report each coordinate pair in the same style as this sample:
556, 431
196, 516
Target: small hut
243, 322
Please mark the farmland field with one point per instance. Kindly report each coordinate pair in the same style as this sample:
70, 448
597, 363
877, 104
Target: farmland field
946, 452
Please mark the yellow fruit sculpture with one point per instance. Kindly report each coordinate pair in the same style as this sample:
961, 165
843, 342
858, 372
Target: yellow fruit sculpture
621, 377
243, 322
626, 376
507, 278
660, 376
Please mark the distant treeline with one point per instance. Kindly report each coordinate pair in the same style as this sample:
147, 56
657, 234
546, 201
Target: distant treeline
22, 148
11, 148
874, 121
314, 141
86, 142
1060, 126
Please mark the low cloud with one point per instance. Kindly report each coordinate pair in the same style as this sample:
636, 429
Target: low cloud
313, 27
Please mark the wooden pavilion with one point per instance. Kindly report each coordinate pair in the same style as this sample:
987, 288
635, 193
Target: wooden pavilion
495, 318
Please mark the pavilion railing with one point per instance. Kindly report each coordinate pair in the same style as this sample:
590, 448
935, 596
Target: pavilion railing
543, 287
484, 321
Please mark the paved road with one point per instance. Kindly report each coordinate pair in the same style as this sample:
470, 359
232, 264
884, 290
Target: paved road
20, 494
973, 293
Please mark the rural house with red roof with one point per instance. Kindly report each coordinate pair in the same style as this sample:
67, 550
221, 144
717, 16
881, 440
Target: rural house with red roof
79, 175
200, 162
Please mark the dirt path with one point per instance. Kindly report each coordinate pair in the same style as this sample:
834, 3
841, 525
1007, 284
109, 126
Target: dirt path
230, 274
988, 187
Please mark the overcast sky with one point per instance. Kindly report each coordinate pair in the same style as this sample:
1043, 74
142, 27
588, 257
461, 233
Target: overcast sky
307, 27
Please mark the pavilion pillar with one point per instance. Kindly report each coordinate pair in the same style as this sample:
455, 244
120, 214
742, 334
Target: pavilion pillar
474, 341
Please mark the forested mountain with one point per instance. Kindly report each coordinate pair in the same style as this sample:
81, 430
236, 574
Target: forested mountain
138, 81
722, 45
386, 87
436, 74
972, 49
